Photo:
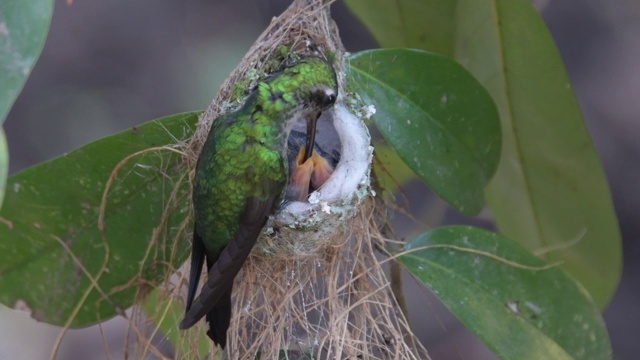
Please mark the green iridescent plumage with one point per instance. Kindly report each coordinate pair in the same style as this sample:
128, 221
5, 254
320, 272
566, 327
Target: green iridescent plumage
241, 177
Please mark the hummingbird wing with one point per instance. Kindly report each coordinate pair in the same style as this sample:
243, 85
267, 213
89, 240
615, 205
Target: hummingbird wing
224, 270
197, 261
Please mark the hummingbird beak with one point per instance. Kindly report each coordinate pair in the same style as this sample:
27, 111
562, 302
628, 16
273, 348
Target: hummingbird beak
312, 119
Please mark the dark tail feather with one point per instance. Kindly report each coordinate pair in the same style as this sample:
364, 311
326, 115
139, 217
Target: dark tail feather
219, 318
197, 260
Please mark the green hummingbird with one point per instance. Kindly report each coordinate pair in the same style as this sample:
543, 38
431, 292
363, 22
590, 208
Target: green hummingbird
241, 178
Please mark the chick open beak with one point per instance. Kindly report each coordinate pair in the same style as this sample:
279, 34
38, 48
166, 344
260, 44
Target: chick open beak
310, 170
322, 170
298, 189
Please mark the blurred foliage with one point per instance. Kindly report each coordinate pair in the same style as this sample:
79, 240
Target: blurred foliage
23, 28
417, 24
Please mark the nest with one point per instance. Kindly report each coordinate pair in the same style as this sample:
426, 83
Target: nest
313, 286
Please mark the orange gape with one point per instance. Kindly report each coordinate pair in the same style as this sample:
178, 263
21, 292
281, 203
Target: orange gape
313, 173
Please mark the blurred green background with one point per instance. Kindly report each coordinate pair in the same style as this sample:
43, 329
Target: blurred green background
110, 65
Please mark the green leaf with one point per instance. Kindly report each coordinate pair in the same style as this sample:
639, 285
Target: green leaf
437, 117
417, 24
389, 170
519, 307
52, 246
4, 165
23, 28
550, 192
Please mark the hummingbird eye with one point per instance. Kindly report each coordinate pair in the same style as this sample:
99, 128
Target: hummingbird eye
323, 98
330, 99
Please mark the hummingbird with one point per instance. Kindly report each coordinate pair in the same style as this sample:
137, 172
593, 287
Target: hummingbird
241, 178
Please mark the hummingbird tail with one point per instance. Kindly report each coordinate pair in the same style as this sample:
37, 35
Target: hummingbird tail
219, 318
197, 261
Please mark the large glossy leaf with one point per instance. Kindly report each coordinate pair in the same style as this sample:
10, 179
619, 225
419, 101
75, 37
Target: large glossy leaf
23, 28
419, 24
519, 307
550, 192
437, 117
52, 247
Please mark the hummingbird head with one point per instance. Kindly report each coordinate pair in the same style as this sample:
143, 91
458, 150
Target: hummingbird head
321, 97
314, 82
309, 86
301, 91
